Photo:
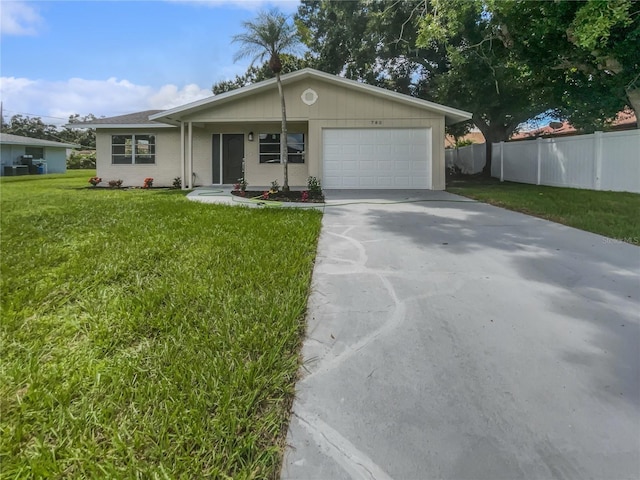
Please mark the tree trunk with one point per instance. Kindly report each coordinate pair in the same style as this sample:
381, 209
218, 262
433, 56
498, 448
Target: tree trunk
633, 94
492, 134
284, 149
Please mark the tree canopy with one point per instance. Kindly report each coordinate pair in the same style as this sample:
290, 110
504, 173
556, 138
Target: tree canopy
585, 52
290, 63
34, 127
505, 61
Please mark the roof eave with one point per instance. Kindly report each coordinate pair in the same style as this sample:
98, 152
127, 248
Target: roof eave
120, 125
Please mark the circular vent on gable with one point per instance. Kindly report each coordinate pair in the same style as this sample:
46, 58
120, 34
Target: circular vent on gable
309, 96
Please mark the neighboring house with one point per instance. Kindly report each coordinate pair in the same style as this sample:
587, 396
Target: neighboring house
625, 120
15, 151
345, 133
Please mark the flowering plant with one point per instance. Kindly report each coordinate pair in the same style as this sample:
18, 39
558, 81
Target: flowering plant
115, 183
265, 195
148, 182
241, 185
95, 181
304, 196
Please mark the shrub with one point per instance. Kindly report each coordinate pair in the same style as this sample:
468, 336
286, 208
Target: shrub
95, 181
115, 183
314, 187
148, 182
304, 196
463, 143
275, 187
241, 185
177, 183
78, 160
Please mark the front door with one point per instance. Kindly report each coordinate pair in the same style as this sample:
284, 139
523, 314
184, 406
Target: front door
228, 154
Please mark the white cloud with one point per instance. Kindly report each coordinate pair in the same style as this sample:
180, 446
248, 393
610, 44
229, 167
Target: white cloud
101, 97
19, 18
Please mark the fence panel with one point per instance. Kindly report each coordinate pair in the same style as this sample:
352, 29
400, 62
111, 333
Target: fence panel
450, 157
469, 159
568, 162
621, 161
520, 161
600, 161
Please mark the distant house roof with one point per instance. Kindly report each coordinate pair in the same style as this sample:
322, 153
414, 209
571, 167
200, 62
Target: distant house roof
9, 139
129, 120
625, 120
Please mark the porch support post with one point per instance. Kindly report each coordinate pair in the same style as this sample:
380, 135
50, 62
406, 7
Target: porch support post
190, 157
183, 182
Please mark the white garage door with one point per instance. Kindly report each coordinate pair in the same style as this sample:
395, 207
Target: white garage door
376, 158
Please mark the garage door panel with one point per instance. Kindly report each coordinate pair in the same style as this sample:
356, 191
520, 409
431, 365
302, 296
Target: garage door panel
402, 182
376, 158
367, 149
385, 166
367, 182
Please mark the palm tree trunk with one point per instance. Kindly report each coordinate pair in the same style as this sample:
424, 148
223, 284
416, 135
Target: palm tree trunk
284, 149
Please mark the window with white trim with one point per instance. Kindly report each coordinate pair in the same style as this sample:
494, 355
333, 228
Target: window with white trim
133, 149
270, 147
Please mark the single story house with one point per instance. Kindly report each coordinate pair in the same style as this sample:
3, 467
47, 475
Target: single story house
345, 133
22, 155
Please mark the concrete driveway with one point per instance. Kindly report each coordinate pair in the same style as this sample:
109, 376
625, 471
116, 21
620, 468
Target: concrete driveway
452, 339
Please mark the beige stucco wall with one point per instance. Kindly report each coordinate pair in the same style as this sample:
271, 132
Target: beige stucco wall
166, 168
336, 107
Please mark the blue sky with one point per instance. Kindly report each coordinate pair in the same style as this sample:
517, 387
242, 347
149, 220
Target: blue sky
115, 57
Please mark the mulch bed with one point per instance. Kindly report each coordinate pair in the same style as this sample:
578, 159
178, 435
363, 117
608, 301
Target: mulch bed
291, 196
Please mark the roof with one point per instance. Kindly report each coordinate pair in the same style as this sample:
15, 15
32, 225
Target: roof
9, 139
174, 115
129, 120
625, 120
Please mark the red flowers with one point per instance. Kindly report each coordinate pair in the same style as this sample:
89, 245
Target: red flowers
95, 181
148, 182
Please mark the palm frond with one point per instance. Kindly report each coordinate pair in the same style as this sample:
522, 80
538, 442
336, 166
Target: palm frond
269, 34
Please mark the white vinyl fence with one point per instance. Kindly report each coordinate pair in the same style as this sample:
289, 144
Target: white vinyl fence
599, 161
469, 159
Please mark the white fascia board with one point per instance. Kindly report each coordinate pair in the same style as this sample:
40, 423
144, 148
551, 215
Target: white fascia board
41, 145
114, 126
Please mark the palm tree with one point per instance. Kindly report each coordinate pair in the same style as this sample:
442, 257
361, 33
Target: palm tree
268, 36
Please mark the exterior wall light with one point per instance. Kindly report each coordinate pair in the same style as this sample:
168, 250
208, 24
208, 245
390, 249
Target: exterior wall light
251, 136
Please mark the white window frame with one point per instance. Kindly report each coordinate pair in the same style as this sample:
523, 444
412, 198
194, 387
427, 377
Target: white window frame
277, 143
134, 148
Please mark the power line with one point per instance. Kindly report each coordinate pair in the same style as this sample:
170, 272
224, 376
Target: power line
36, 115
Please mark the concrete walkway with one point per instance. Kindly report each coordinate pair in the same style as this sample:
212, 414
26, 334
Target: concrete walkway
222, 195
449, 339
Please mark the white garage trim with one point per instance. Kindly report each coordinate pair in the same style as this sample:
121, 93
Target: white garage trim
376, 158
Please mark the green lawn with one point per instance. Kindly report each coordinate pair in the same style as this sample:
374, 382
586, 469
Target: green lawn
144, 335
612, 214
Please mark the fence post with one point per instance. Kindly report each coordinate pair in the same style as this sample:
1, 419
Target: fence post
501, 161
597, 158
539, 141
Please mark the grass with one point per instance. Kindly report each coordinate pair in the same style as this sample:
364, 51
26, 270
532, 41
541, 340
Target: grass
144, 335
612, 214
